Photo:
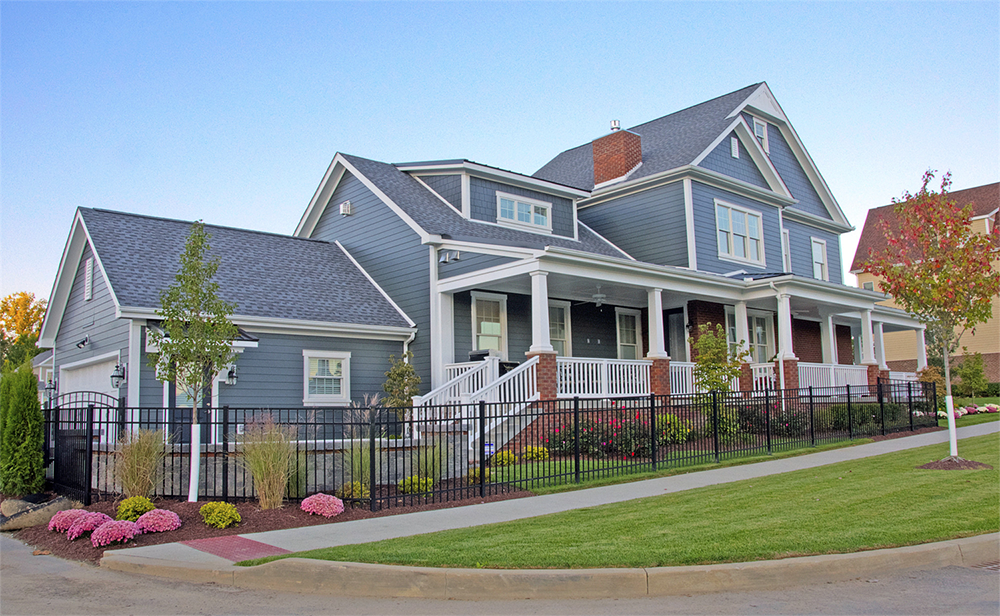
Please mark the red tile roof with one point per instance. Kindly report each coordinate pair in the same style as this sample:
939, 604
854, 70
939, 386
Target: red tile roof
984, 199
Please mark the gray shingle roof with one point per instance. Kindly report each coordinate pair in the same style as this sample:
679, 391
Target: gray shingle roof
437, 218
266, 275
669, 142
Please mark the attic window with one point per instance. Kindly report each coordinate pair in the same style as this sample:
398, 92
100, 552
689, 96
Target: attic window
760, 131
516, 211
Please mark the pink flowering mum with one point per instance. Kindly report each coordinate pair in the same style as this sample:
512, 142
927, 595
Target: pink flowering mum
62, 520
115, 531
158, 521
323, 504
86, 523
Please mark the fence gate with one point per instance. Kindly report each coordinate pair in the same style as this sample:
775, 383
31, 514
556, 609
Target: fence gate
74, 423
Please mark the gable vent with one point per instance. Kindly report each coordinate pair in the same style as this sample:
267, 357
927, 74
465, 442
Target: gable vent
345, 208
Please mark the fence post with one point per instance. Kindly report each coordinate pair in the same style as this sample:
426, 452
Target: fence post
909, 402
652, 429
881, 403
850, 420
576, 439
225, 453
371, 464
483, 468
715, 423
88, 463
767, 416
812, 418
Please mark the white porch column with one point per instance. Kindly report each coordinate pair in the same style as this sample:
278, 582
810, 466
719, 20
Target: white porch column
540, 341
867, 342
828, 339
657, 350
742, 326
785, 350
879, 345
921, 350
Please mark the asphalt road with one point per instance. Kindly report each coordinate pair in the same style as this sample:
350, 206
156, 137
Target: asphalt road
40, 585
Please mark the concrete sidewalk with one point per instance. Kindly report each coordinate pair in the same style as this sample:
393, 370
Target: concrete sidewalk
207, 560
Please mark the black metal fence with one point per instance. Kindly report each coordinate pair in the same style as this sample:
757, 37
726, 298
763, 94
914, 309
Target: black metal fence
377, 457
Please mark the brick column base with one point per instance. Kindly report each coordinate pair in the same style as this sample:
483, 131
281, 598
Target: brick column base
659, 377
791, 373
746, 377
547, 379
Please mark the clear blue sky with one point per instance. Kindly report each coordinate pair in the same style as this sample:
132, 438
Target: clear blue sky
231, 112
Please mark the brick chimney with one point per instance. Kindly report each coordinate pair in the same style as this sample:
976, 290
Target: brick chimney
615, 154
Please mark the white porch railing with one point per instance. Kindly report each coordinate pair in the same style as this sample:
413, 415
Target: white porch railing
602, 378
831, 375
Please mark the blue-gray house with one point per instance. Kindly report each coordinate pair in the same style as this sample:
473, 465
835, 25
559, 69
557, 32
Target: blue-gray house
586, 278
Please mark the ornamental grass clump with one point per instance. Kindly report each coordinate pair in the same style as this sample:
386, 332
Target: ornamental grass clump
322, 504
115, 531
138, 460
220, 515
131, 508
62, 520
87, 523
158, 521
268, 450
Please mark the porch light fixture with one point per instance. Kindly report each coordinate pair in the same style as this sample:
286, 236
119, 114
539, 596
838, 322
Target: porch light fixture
231, 376
118, 376
83, 342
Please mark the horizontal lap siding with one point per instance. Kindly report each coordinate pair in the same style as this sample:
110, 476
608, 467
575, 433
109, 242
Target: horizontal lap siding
648, 225
94, 318
799, 239
390, 251
706, 231
484, 204
448, 186
742, 168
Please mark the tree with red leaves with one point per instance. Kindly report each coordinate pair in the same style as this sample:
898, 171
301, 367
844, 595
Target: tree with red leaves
938, 269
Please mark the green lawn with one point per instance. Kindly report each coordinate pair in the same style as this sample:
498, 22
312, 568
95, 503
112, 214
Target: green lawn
865, 504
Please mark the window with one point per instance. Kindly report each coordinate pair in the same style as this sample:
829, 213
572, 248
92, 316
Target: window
760, 131
523, 212
629, 333
327, 377
489, 322
88, 280
559, 328
734, 147
786, 248
868, 286
739, 233
760, 336
820, 269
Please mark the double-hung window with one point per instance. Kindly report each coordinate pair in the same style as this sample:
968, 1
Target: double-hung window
327, 377
523, 212
740, 233
821, 270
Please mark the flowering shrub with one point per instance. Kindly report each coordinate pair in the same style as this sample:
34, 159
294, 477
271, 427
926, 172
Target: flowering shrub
220, 515
535, 453
354, 490
62, 520
115, 531
322, 504
86, 523
473, 477
415, 485
503, 458
131, 508
158, 521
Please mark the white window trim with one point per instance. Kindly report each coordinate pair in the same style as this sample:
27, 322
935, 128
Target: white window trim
814, 241
496, 297
786, 250
638, 331
506, 222
734, 147
345, 387
88, 280
733, 258
768, 328
757, 122
558, 303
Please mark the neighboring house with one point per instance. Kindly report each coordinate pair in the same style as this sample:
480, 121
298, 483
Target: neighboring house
899, 346
314, 329
588, 275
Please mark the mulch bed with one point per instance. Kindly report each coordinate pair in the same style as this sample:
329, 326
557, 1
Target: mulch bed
254, 520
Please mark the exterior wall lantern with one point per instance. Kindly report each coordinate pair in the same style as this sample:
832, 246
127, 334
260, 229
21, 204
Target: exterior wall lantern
118, 376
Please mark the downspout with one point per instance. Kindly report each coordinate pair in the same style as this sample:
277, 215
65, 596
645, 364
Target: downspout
781, 353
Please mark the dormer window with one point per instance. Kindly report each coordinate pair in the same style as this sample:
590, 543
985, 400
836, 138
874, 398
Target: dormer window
522, 212
760, 131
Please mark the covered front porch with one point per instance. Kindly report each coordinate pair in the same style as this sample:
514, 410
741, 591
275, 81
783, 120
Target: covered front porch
565, 324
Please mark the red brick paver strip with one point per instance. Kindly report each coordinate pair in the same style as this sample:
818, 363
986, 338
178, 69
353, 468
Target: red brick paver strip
235, 548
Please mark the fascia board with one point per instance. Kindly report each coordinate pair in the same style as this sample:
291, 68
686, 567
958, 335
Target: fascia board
371, 280
815, 221
492, 173
317, 205
79, 237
